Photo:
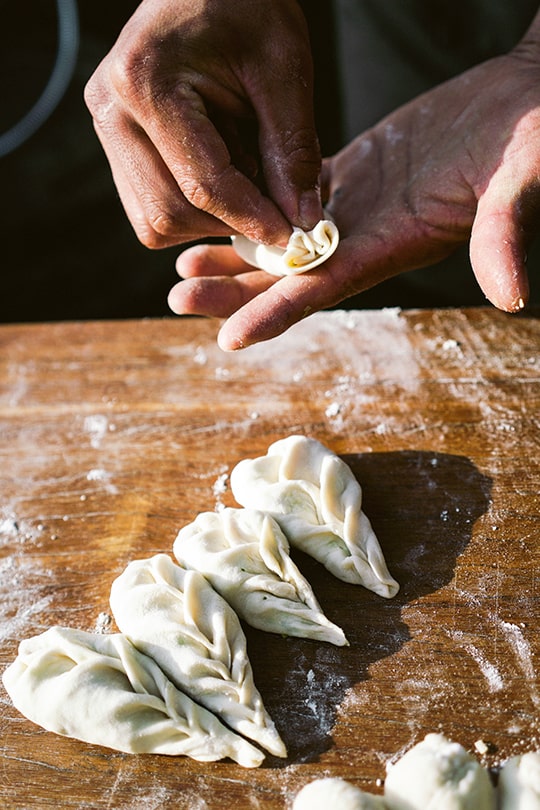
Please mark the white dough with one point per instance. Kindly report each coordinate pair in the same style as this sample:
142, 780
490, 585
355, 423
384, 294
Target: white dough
245, 556
519, 783
336, 794
438, 775
100, 689
317, 501
305, 250
179, 620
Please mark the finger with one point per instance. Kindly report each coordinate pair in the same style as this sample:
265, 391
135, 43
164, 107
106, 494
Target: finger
201, 165
498, 253
217, 296
359, 263
158, 211
289, 145
210, 260
292, 298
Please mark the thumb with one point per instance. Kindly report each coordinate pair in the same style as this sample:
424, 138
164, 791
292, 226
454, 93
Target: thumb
289, 145
498, 246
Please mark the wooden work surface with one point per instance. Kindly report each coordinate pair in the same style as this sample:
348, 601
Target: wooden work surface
113, 435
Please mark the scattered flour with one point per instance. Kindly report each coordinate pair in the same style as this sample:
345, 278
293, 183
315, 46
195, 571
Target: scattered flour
96, 426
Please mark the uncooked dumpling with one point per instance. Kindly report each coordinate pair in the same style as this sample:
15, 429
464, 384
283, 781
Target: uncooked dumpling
245, 556
102, 690
305, 250
438, 775
519, 783
336, 794
317, 501
177, 618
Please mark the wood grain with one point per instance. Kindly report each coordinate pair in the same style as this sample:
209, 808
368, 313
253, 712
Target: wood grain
113, 435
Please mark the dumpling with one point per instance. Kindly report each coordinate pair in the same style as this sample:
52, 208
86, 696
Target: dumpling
438, 775
245, 556
333, 792
519, 783
177, 618
102, 690
317, 501
305, 250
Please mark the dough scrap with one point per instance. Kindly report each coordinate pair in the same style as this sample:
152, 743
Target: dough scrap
245, 556
317, 501
178, 619
100, 689
305, 250
519, 783
438, 775
333, 792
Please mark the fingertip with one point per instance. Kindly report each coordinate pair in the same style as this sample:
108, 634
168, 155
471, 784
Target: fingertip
229, 343
310, 210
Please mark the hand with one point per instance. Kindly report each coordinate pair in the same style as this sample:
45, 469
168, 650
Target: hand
204, 109
461, 161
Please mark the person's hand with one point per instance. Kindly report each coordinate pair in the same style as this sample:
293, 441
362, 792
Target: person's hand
204, 109
461, 161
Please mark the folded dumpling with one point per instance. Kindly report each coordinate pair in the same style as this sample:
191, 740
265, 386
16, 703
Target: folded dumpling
245, 555
176, 617
102, 690
333, 792
519, 783
438, 775
317, 501
305, 250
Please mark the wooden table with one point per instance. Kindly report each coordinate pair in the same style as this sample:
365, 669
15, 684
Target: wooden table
113, 435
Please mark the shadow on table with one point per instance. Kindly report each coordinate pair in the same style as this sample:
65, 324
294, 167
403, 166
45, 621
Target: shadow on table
423, 507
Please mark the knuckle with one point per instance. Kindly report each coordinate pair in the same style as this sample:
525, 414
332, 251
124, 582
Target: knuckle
162, 223
302, 151
202, 193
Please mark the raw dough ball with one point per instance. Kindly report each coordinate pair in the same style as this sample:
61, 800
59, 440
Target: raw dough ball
336, 794
438, 775
519, 783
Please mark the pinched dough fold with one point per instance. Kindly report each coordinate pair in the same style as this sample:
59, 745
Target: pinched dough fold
102, 690
305, 250
317, 501
245, 555
178, 619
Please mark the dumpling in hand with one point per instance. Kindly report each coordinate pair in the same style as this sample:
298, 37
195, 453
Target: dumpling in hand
305, 250
438, 775
317, 501
177, 618
102, 690
245, 555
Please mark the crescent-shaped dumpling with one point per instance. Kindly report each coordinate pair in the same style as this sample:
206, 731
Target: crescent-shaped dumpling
102, 690
245, 556
317, 501
192, 633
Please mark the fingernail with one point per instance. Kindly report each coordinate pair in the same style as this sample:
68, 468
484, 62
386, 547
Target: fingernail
309, 209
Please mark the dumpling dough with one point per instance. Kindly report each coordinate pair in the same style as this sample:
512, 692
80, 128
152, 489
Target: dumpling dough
178, 619
100, 689
305, 250
336, 794
438, 775
317, 501
245, 556
519, 783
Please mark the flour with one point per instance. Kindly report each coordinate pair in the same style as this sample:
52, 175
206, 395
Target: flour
96, 426
22, 601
